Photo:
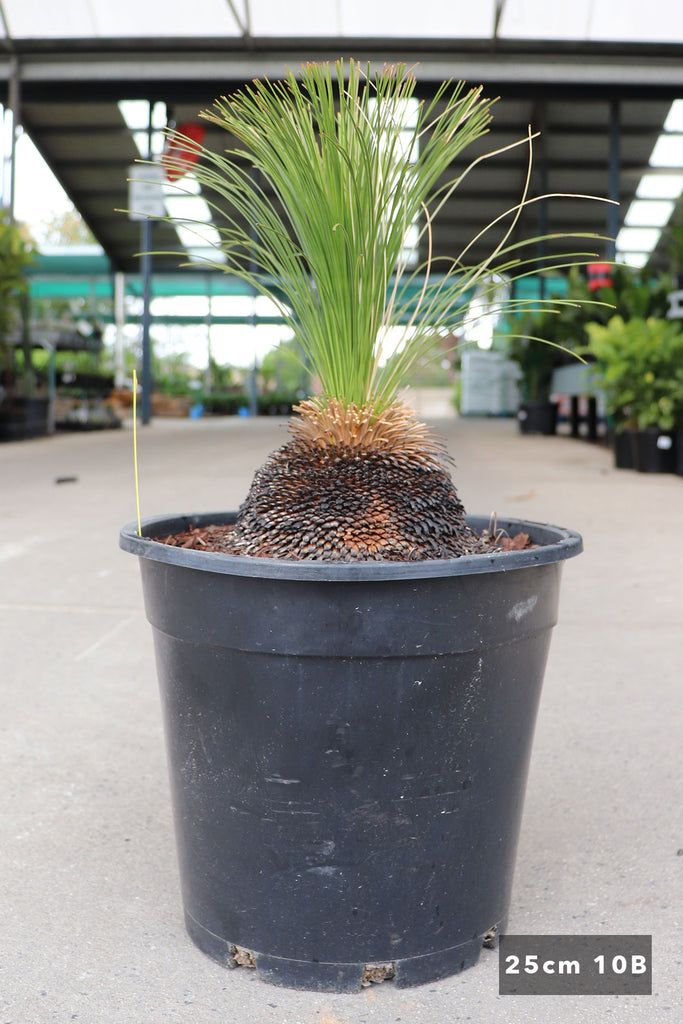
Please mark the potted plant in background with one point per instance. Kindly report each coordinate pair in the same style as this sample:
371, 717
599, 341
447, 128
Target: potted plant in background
592, 295
537, 413
23, 414
350, 666
640, 362
611, 291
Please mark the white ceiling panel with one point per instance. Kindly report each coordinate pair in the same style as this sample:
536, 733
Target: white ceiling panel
34, 19
632, 21
170, 18
428, 19
628, 21
593, 20
306, 18
459, 19
75, 19
545, 19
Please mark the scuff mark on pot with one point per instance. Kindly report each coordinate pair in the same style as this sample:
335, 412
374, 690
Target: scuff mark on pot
523, 608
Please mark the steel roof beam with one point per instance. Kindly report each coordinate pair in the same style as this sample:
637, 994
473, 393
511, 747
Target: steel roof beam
186, 63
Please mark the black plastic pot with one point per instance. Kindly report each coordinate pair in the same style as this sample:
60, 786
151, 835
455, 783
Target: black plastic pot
622, 445
537, 417
23, 418
348, 748
654, 451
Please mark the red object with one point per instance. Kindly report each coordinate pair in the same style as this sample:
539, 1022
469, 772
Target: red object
599, 276
181, 149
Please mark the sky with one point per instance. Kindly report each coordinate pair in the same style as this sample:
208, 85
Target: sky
38, 194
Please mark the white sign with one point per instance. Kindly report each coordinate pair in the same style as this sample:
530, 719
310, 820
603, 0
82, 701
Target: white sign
675, 305
145, 191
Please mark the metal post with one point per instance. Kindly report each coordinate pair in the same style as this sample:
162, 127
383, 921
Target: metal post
253, 382
120, 322
208, 375
51, 387
542, 230
614, 170
15, 107
146, 274
542, 165
5, 159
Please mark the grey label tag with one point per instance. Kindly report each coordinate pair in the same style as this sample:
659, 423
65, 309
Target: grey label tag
575, 965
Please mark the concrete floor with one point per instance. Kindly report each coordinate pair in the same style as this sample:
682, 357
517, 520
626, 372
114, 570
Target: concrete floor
91, 921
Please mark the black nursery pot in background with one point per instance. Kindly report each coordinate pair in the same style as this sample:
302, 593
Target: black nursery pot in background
348, 748
537, 417
654, 451
23, 418
622, 445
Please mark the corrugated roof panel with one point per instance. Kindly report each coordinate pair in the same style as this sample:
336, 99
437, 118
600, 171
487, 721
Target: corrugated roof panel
539, 19
593, 20
167, 18
34, 19
306, 18
631, 21
76, 19
459, 19
582, 20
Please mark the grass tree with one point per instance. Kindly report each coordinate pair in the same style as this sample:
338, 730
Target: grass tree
320, 228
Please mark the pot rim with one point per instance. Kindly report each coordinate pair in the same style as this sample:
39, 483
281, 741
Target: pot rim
556, 544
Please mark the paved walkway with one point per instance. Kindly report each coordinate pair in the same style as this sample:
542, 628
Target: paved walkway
91, 922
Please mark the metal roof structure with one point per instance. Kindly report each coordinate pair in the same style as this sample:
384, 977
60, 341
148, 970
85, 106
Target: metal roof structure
596, 80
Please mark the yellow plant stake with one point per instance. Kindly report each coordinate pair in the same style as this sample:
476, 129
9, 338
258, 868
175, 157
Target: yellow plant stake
135, 447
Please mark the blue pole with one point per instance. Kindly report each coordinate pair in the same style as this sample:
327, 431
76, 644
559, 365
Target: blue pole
614, 169
146, 273
253, 382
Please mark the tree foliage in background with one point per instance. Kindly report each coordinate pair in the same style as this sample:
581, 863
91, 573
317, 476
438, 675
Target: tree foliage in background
283, 369
67, 228
16, 255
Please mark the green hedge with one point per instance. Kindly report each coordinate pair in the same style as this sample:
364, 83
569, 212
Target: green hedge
273, 403
221, 404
